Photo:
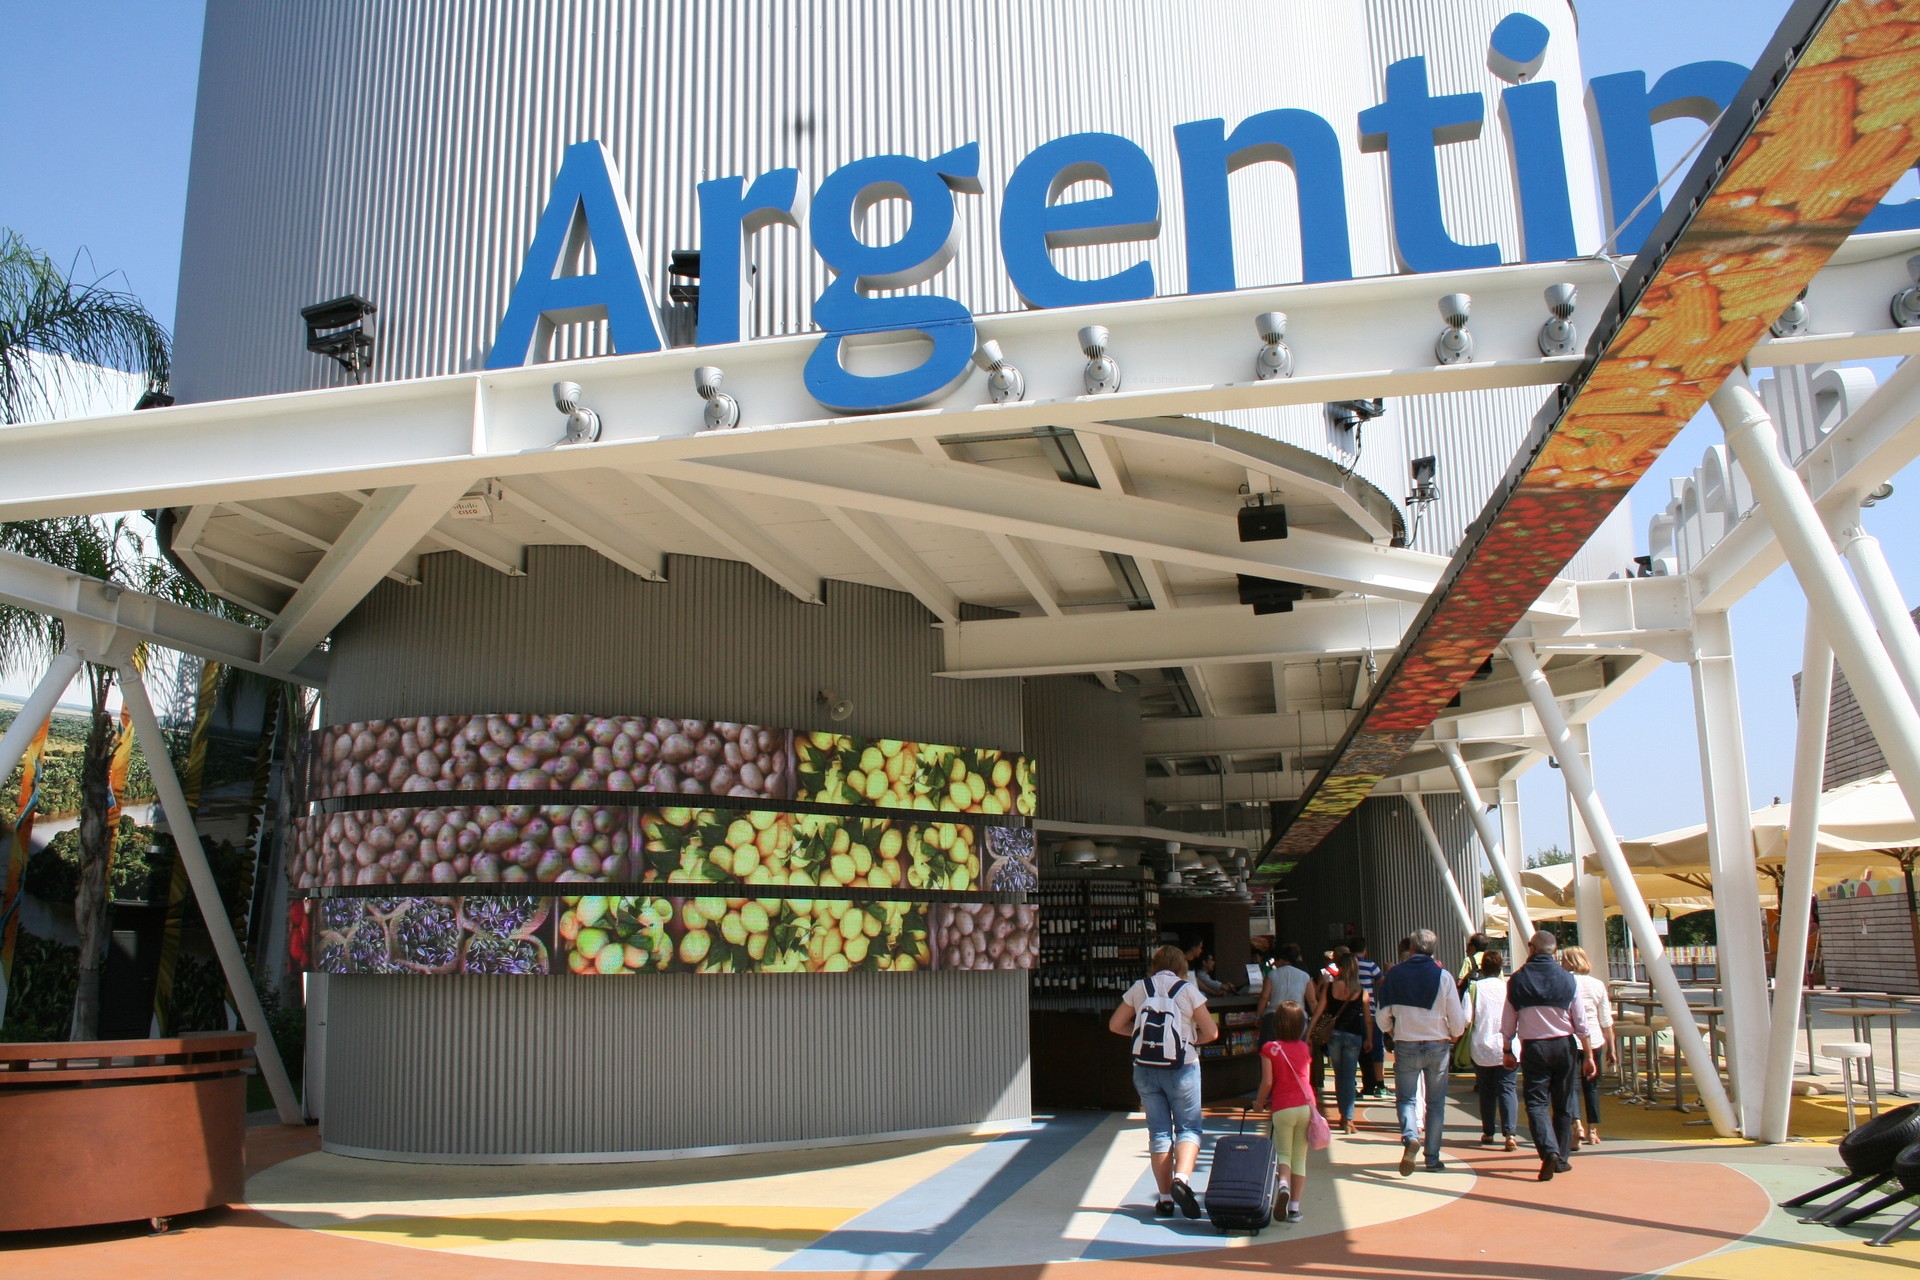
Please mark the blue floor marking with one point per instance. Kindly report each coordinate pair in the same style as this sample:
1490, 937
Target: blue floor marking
908, 1231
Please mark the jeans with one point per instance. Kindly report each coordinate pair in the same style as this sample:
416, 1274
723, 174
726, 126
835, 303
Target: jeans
1499, 1091
1344, 1053
1586, 1099
1171, 1098
1551, 1070
1414, 1060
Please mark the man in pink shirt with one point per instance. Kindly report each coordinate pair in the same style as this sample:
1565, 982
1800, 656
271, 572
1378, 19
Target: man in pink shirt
1545, 1011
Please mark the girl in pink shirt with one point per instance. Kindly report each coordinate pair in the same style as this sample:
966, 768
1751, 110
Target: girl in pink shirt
1284, 1063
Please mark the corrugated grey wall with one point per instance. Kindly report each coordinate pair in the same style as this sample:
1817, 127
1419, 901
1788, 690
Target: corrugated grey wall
464, 1066
717, 641
1088, 743
1375, 871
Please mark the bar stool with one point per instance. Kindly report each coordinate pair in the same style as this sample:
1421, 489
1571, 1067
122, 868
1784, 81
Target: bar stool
1631, 1036
1846, 1053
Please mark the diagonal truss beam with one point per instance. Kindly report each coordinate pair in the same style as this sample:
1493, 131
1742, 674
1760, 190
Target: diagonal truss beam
892, 482
727, 525
1835, 120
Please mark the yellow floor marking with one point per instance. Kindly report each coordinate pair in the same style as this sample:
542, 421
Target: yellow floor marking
1842, 1258
604, 1222
321, 1191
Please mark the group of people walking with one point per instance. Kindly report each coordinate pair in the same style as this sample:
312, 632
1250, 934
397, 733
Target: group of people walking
1542, 1032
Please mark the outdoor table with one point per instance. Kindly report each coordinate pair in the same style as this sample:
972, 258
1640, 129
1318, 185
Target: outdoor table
1858, 1014
1712, 1013
1630, 1033
1647, 1004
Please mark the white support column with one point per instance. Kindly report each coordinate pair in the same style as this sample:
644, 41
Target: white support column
37, 707
1882, 592
1513, 848
186, 840
1844, 620
1686, 1033
1796, 881
1589, 890
1439, 852
1510, 889
1736, 887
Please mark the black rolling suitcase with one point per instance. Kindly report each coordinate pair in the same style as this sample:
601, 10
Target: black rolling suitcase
1240, 1187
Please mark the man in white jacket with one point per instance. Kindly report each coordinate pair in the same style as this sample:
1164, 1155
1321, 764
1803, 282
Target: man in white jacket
1417, 1003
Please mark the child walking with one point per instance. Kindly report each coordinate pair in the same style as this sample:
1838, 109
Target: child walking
1284, 1063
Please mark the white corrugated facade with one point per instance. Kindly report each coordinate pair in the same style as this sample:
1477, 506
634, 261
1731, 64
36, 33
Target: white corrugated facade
403, 150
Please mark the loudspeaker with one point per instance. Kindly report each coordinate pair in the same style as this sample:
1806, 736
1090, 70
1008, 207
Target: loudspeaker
1263, 523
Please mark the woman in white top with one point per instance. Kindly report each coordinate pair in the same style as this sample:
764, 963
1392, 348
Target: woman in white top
1495, 1081
1599, 1009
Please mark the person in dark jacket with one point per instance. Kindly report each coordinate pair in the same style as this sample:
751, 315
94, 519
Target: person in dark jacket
1545, 1011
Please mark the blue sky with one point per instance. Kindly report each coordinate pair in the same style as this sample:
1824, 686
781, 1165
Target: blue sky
99, 96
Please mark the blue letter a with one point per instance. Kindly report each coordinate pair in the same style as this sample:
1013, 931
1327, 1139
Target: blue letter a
584, 208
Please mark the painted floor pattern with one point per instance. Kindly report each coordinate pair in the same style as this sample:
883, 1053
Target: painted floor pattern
1063, 1199
1072, 1186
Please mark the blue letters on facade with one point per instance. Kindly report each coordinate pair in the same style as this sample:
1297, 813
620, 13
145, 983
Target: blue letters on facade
1408, 126
1031, 223
847, 313
586, 207
587, 211
1623, 114
1302, 141
728, 220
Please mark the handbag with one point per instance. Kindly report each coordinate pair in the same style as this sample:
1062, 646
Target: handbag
1321, 1033
1319, 1132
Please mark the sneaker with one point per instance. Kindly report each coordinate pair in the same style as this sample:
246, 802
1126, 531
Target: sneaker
1293, 1213
1163, 1208
1488, 1140
1184, 1197
1513, 1143
1548, 1167
1435, 1166
1563, 1165
1281, 1195
1409, 1152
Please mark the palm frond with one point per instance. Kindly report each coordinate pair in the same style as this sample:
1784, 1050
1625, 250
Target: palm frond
54, 328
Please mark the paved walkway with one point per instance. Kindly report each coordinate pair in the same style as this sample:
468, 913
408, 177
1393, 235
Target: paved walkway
1065, 1197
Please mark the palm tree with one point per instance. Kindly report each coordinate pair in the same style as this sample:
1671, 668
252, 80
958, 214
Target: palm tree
56, 332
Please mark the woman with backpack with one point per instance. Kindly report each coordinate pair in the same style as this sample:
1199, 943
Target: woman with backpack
1284, 1091
1166, 1017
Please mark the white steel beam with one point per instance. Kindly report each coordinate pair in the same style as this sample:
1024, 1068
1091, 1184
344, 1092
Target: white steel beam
1431, 839
886, 548
973, 496
1032, 572
1796, 882
1180, 355
1736, 889
540, 498
213, 912
1882, 593
33, 713
1870, 446
389, 526
1686, 1033
88, 605
1848, 627
726, 524
1086, 642
471, 539
1510, 890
